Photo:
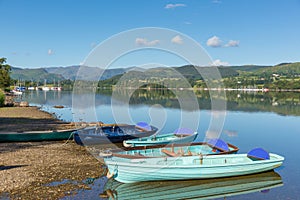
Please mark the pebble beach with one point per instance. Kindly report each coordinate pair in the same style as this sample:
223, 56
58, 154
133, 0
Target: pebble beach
27, 169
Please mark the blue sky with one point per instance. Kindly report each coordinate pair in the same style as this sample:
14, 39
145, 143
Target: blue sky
41, 33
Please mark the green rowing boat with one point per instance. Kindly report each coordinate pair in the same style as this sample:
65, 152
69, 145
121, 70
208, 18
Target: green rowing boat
32, 136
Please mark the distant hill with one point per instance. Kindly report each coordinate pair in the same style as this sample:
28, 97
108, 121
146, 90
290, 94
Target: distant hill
189, 72
194, 72
37, 75
66, 72
249, 68
86, 73
289, 69
168, 74
63, 73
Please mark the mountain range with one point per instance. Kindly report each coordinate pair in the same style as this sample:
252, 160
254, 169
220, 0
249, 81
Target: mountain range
64, 73
52, 74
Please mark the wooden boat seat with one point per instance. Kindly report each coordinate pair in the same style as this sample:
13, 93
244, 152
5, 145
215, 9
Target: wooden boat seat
179, 153
135, 156
169, 153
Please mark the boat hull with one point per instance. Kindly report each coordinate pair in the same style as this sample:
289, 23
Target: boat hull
190, 167
170, 138
36, 136
110, 134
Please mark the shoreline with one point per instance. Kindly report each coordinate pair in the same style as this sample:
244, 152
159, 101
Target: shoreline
20, 119
27, 169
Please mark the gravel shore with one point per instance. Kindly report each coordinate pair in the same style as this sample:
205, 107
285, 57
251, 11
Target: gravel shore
16, 119
26, 169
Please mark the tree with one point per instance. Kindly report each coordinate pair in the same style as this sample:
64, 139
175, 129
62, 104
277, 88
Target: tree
4, 73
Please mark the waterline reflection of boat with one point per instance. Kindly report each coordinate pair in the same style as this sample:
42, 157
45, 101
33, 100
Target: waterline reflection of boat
190, 189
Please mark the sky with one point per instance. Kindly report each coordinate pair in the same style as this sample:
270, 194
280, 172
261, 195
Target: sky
44, 33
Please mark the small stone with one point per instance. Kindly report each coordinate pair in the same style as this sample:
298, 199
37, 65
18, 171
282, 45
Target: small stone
24, 104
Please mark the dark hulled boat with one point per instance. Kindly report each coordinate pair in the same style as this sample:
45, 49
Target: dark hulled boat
112, 133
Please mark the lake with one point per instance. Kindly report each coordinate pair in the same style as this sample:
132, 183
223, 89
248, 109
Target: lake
268, 120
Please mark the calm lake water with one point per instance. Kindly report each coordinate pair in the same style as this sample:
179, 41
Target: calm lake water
268, 120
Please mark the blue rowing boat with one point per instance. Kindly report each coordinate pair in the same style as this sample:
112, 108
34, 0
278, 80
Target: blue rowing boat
180, 136
112, 133
130, 170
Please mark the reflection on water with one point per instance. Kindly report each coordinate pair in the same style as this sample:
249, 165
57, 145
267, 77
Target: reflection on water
261, 184
268, 120
95, 188
284, 103
210, 188
231, 133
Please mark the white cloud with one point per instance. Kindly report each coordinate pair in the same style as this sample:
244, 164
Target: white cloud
188, 23
177, 40
218, 62
50, 52
214, 42
232, 43
217, 42
170, 5
145, 42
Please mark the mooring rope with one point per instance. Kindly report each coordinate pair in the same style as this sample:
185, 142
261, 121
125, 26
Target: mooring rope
68, 138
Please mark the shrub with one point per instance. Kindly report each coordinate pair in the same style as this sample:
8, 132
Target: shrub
2, 98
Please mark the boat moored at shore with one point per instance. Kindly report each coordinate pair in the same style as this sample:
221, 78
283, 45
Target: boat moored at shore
129, 170
182, 135
33, 136
112, 133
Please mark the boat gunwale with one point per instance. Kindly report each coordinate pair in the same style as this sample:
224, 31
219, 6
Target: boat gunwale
178, 138
38, 132
114, 152
141, 131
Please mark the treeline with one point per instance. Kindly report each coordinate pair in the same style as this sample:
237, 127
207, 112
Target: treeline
285, 76
4, 74
4, 79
